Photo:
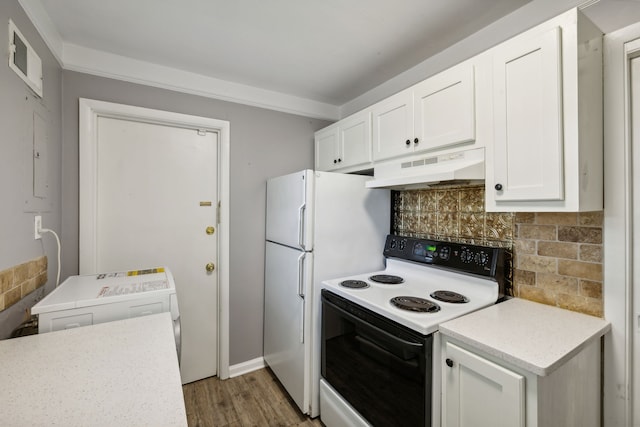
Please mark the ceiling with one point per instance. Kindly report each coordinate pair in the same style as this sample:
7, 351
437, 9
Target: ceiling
320, 52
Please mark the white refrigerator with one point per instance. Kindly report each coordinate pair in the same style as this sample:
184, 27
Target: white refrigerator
319, 225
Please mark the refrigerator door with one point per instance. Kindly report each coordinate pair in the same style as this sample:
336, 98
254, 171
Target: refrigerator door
289, 210
286, 319
351, 223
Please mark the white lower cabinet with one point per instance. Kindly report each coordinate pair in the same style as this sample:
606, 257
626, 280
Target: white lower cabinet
481, 390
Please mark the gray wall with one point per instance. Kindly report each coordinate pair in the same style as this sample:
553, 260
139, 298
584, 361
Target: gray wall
17, 205
264, 143
607, 14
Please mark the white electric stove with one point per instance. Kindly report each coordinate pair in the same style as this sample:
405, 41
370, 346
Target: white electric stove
418, 282
378, 328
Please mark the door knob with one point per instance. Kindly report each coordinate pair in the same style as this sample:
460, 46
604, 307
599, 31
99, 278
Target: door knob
210, 230
210, 267
449, 363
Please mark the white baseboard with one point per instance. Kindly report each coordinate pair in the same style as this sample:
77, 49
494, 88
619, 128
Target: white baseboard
246, 367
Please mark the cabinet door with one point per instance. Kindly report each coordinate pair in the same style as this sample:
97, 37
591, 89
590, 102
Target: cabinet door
355, 140
326, 149
393, 126
528, 145
480, 393
445, 109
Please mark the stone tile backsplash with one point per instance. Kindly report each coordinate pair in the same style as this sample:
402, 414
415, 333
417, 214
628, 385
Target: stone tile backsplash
557, 257
19, 281
558, 260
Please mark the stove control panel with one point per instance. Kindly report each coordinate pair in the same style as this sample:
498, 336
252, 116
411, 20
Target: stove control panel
466, 258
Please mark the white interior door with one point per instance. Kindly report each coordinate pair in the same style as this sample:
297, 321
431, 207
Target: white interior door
156, 194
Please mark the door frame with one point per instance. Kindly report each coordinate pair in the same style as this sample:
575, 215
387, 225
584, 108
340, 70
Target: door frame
619, 48
90, 111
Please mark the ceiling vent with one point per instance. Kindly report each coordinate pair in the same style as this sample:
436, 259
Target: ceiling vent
24, 60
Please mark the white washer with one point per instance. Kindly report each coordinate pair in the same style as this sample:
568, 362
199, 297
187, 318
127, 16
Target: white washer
98, 298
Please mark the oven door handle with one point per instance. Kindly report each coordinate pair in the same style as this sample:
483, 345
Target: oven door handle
415, 346
406, 356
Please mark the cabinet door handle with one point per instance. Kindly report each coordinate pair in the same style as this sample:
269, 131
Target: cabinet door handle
449, 363
335, 161
498, 187
408, 142
339, 160
415, 141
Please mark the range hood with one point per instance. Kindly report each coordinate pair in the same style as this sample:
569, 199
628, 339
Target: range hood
425, 171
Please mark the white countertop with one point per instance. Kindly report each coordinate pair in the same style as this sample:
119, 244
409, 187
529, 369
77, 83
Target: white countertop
117, 373
529, 335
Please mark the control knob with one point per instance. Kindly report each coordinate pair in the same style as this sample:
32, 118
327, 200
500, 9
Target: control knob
466, 255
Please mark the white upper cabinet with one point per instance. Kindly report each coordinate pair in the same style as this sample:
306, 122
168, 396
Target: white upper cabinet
354, 135
547, 103
444, 109
528, 119
345, 145
326, 148
393, 126
432, 115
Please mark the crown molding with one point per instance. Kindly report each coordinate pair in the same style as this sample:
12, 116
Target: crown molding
90, 61
45, 27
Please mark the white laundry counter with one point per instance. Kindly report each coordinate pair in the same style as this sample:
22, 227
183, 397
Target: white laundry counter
117, 373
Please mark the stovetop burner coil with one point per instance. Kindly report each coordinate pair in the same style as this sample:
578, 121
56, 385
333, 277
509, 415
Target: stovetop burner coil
420, 305
387, 279
354, 284
449, 296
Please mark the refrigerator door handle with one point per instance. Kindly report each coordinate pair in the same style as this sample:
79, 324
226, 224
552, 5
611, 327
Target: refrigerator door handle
302, 323
301, 260
301, 225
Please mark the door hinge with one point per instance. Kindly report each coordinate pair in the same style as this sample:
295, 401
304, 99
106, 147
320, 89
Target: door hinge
218, 212
202, 132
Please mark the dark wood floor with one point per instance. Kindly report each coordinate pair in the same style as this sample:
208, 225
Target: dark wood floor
253, 399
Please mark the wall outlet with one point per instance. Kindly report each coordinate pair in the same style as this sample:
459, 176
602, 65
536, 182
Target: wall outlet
37, 227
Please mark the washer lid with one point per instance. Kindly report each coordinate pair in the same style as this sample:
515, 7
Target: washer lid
106, 288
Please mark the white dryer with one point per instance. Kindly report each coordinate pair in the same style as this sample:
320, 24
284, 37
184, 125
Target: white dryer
90, 299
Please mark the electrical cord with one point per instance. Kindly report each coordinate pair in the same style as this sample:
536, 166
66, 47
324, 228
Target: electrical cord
46, 230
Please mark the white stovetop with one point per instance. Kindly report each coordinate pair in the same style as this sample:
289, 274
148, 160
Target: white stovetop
419, 281
122, 373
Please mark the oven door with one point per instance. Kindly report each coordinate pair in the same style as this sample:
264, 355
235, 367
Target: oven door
382, 369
